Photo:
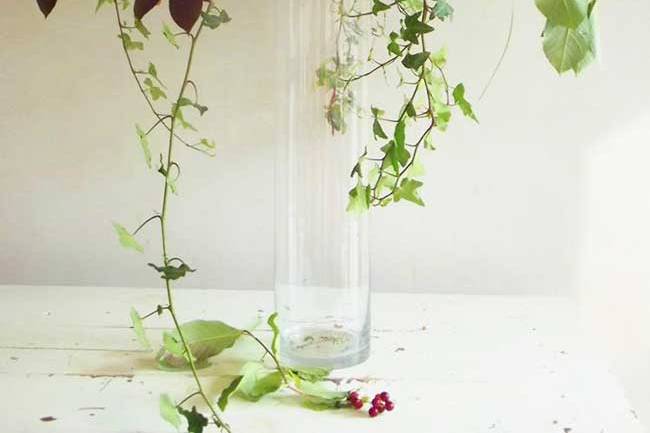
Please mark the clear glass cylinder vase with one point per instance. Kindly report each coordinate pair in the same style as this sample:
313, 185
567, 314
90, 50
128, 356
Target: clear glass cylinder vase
322, 265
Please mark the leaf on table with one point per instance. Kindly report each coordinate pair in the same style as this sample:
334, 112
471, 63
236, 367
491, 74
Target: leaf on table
227, 392
196, 422
257, 381
169, 412
312, 375
138, 328
316, 396
205, 339
126, 240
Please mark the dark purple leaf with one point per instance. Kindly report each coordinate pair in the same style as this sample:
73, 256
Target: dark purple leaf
185, 12
142, 7
46, 6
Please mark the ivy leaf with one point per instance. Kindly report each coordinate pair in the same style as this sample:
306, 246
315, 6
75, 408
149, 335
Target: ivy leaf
169, 412
428, 143
155, 91
214, 21
169, 35
272, 322
443, 115
130, 44
138, 328
413, 24
359, 198
101, 3
410, 109
153, 72
415, 61
408, 190
144, 143
439, 58
208, 144
144, 31
396, 155
443, 10
567, 48
171, 272
185, 12
142, 7
46, 6
257, 381
205, 339
126, 240
196, 422
465, 107
312, 375
377, 130
318, 397
393, 47
379, 6
567, 13
178, 114
400, 134
227, 392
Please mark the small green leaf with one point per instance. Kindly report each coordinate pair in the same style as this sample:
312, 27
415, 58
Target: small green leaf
130, 44
408, 191
126, 240
213, 21
178, 114
379, 6
169, 412
443, 10
171, 272
415, 61
205, 339
144, 31
459, 98
101, 3
393, 47
359, 198
566, 13
138, 328
144, 144
400, 134
272, 322
155, 91
439, 58
196, 422
168, 33
153, 72
317, 397
377, 130
397, 155
227, 392
413, 24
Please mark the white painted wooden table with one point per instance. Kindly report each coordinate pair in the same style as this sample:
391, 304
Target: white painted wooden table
453, 364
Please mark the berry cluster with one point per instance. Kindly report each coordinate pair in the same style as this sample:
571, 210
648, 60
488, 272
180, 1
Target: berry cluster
380, 403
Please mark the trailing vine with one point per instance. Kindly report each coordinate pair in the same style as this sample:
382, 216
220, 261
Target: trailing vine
390, 176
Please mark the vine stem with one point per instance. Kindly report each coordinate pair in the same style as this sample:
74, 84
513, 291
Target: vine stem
163, 215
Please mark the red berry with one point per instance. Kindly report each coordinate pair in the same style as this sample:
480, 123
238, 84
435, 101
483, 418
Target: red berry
357, 404
390, 405
384, 396
353, 396
377, 400
380, 408
373, 412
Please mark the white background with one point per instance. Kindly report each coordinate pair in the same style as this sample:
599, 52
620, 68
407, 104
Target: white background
548, 195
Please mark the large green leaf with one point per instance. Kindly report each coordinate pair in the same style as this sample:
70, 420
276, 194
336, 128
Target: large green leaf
568, 48
257, 381
567, 13
205, 338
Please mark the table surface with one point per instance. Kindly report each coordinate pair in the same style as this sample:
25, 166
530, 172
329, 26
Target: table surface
69, 363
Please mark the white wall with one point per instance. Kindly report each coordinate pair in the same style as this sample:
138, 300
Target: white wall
504, 198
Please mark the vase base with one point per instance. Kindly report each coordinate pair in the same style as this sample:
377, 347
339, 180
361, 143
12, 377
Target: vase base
324, 348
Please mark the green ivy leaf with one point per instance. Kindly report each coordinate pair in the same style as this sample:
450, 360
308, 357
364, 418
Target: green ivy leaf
316, 396
130, 44
272, 322
359, 198
379, 6
414, 25
169, 412
408, 190
155, 91
377, 130
393, 47
101, 3
415, 61
168, 33
153, 72
126, 240
144, 31
439, 58
400, 134
178, 114
171, 272
205, 339
144, 144
196, 422
463, 104
566, 13
224, 397
138, 328
257, 381
443, 116
397, 155
568, 48
213, 20
443, 10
